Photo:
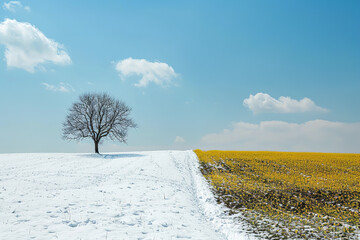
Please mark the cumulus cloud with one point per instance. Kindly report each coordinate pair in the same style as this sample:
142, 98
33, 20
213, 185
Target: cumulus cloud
262, 102
179, 139
13, 5
61, 87
316, 135
157, 72
28, 48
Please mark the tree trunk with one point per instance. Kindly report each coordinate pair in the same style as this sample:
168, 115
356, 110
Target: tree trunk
96, 146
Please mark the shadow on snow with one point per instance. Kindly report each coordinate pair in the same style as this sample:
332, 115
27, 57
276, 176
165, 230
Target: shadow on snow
113, 156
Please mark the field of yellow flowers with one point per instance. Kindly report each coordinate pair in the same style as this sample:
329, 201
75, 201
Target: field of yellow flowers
288, 195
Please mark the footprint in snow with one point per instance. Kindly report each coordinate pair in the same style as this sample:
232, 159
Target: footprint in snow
138, 212
73, 224
90, 221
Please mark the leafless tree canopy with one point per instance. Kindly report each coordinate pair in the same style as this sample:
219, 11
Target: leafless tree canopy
98, 116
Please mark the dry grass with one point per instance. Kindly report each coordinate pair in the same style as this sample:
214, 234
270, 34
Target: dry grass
286, 195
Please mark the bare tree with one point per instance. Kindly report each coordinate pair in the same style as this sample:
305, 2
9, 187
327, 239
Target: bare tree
98, 116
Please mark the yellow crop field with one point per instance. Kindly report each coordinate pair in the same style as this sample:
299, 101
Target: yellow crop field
288, 195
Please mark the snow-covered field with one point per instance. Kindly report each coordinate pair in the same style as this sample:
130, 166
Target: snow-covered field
138, 195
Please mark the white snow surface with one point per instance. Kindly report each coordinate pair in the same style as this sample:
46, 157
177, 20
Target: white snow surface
134, 195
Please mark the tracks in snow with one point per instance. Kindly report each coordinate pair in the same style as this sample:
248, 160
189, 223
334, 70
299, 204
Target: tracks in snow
142, 195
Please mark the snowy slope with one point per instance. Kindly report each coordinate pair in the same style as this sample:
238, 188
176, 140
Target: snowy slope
139, 195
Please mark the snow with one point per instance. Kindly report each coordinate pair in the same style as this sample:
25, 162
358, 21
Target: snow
135, 195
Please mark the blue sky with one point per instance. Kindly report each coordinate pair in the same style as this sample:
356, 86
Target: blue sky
220, 54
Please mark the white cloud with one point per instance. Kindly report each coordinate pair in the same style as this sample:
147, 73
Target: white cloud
28, 48
316, 135
157, 72
262, 102
61, 87
179, 139
12, 5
